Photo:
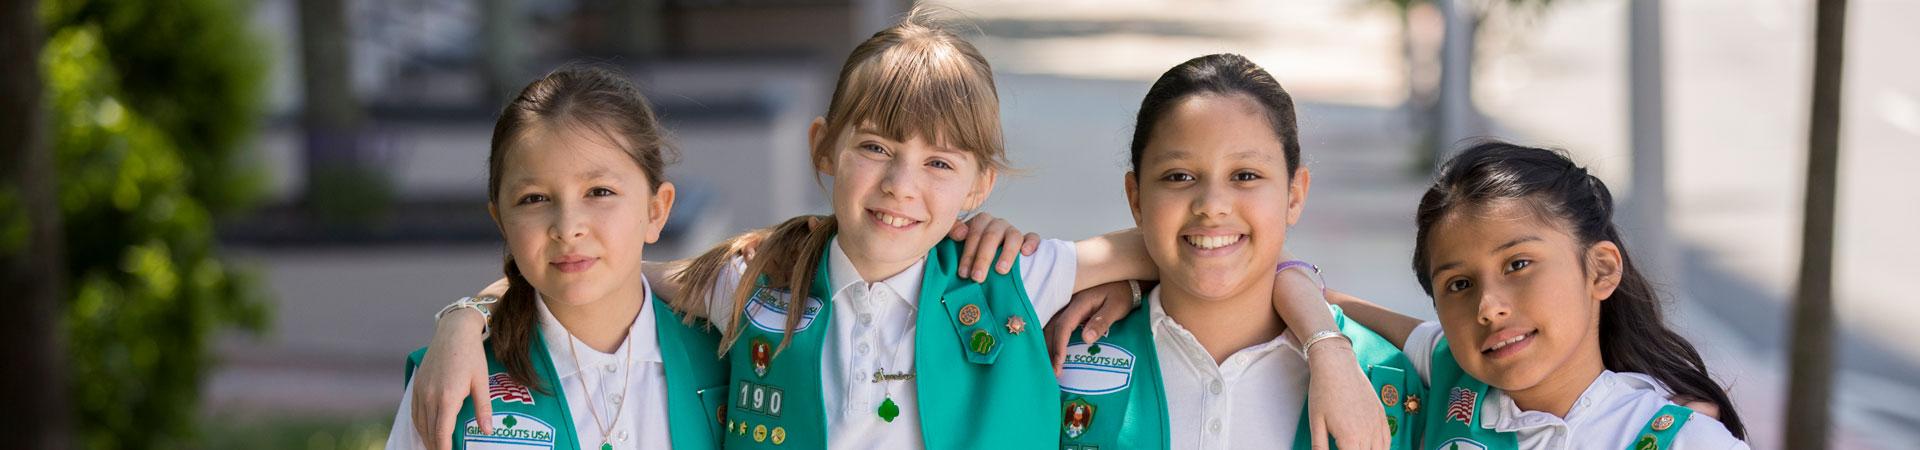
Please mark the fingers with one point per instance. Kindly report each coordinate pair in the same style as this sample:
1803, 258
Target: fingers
982, 245
1317, 428
959, 231
1013, 243
1032, 244
1112, 309
482, 405
1060, 330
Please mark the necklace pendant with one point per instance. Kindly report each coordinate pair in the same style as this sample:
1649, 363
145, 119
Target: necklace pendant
888, 410
606, 446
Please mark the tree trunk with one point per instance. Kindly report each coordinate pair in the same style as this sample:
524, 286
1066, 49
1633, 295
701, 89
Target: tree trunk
1809, 392
31, 272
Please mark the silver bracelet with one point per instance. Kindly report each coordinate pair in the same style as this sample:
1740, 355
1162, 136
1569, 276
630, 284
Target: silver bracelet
1322, 336
1135, 286
486, 317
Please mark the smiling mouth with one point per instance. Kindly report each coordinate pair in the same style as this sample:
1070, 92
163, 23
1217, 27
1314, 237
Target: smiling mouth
1510, 341
1213, 242
891, 220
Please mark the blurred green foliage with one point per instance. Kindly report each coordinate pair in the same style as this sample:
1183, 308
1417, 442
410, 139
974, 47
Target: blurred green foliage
148, 104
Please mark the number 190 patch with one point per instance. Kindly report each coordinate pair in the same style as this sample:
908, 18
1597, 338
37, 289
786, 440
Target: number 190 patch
759, 399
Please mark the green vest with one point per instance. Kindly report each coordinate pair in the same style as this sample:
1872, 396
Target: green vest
1453, 422
979, 386
523, 417
1118, 400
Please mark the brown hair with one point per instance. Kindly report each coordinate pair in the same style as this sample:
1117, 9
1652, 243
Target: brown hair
596, 102
1218, 74
914, 79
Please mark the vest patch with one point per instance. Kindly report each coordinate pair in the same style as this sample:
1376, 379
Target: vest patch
768, 309
501, 387
511, 431
1076, 417
1461, 444
1097, 368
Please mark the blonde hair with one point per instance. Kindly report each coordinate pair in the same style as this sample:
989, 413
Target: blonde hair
914, 79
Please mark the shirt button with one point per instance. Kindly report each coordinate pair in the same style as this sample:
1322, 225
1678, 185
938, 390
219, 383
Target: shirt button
1215, 387
866, 319
864, 348
622, 437
615, 398
1213, 426
611, 367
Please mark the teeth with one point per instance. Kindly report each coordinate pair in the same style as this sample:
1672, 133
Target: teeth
1212, 242
891, 220
1509, 341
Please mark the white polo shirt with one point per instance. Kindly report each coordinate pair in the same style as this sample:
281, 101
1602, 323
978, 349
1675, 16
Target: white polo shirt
1608, 416
1251, 400
873, 330
642, 408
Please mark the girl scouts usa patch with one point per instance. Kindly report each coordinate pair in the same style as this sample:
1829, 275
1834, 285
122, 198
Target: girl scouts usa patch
1461, 444
511, 431
1097, 368
768, 309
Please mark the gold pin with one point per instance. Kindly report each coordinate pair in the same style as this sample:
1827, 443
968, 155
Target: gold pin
1663, 422
969, 315
1016, 325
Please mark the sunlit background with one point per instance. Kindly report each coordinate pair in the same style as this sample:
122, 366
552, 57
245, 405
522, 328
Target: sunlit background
265, 201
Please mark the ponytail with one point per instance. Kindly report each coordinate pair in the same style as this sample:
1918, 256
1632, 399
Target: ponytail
794, 245
513, 331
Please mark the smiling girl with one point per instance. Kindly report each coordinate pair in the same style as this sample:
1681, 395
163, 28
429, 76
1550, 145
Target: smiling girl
1549, 337
575, 184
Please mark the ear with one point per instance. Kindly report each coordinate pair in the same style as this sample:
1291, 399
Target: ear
658, 209
816, 138
982, 186
1133, 195
494, 210
1302, 180
1606, 266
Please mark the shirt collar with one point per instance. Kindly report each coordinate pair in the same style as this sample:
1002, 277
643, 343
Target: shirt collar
843, 275
645, 342
1164, 324
1504, 416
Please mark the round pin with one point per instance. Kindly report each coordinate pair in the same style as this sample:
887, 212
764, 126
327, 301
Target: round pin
1390, 395
759, 433
969, 315
779, 435
1663, 422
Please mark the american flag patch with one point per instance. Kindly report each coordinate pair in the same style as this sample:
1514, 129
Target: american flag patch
501, 387
1460, 405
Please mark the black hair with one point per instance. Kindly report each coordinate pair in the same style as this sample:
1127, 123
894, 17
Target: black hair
1219, 74
1633, 335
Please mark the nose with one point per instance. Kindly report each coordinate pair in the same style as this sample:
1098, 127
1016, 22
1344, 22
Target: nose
1495, 305
569, 222
1213, 201
899, 180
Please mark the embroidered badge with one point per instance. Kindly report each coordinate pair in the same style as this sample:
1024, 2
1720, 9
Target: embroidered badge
1390, 395
981, 342
1016, 325
1461, 444
762, 354
510, 430
768, 308
1412, 404
1647, 442
1460, 405
1663, 422
969, 315
1098, 368
501, 387
1076, 417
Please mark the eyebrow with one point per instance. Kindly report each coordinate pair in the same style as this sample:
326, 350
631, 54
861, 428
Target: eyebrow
1523, 239
597, 174
1181, 154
